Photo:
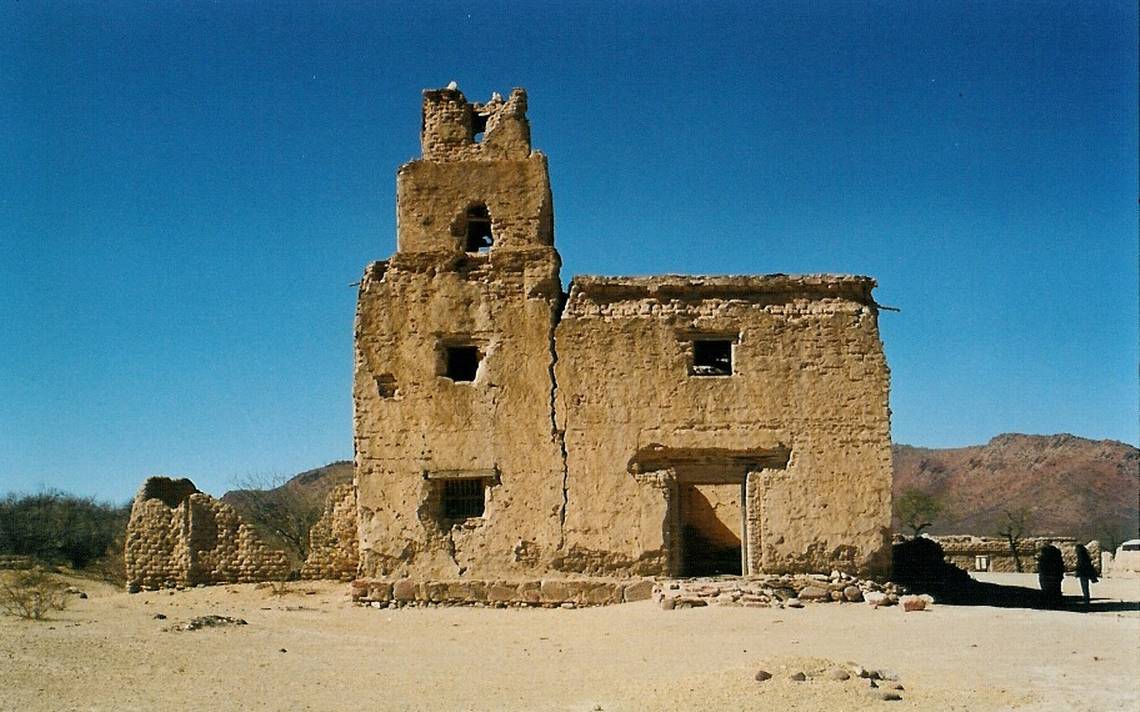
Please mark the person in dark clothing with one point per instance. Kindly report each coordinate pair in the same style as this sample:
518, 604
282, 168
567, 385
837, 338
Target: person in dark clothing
1050, 572
1085, 570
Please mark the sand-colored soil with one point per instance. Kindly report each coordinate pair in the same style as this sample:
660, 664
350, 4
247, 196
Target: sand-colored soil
319, 652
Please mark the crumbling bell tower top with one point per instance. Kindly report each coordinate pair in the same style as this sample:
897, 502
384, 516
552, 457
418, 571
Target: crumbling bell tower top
478, 189
457, 130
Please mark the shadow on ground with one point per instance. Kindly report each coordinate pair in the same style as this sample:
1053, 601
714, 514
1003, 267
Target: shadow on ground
920, 565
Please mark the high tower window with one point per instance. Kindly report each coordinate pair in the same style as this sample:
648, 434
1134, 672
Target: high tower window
478, 127
478, 237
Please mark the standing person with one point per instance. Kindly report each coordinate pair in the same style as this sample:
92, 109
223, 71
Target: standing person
1085, 570
1050, 573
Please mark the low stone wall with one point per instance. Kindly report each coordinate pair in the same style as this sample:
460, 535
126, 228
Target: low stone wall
333, 542
963, 551
545, 593
178, 536
774, 591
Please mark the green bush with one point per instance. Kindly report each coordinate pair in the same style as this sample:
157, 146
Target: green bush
60, 528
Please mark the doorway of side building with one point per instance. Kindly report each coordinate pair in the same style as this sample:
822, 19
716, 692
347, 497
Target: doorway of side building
711, 521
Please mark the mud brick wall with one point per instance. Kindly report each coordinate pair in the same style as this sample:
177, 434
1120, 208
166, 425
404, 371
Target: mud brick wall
178, 536
333, 543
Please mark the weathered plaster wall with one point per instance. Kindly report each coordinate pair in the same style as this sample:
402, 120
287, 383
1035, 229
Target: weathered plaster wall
178, 536
809, 379
334, 549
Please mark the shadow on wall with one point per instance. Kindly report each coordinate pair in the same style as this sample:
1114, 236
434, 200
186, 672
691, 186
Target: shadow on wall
920, 566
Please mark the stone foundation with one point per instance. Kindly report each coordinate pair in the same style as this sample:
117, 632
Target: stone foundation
546, 593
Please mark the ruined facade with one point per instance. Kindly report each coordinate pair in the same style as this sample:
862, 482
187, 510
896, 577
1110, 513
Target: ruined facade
178, 536
669, 425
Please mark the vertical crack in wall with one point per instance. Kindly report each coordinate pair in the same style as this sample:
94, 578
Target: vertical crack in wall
558, 434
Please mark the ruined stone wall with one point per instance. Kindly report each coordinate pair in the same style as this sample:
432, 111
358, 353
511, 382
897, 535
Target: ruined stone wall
334, 550
809, 380
178, 536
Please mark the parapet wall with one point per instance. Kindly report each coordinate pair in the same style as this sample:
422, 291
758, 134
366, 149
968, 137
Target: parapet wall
178, 536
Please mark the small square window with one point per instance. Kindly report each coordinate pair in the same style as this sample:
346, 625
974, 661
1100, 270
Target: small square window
981, 563
463, 498
712, 357
462, 363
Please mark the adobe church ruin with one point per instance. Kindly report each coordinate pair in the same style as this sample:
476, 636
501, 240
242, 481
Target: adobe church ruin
509, 436
636, 426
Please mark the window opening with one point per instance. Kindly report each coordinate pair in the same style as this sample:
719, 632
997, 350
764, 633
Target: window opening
463, 498
462, 363
478, 237
478, 127
981, 563
386, 385
712, 357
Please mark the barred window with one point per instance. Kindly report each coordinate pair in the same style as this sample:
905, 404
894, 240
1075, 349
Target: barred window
463, 498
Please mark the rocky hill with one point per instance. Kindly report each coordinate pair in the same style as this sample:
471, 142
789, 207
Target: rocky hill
1072, 486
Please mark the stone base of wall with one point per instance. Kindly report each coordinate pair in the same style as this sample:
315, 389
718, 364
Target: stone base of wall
774, 591
539, 593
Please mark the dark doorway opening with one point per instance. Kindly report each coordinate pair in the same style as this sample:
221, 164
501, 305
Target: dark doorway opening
710, 535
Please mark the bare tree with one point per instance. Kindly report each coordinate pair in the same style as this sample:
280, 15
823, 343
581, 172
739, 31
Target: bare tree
1015, 526
280, 510
917, 510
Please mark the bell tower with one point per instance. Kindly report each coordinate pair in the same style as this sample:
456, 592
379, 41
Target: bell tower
459, 466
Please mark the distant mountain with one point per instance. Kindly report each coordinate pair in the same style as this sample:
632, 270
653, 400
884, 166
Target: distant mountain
1089, 489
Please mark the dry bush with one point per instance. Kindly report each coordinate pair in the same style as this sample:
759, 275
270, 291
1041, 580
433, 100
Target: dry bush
31, 594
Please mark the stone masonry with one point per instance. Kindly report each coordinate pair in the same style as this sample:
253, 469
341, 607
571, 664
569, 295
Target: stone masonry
975, 553
652, 426
178, 536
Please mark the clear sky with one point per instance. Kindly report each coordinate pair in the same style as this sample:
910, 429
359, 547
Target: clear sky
188, 190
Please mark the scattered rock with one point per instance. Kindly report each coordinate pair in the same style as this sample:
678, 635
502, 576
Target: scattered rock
853, 594
210, 621
875, 599
797, 677
160, 616
838, 674
762, 675
794, 603
888, 695
668, 603
814, 593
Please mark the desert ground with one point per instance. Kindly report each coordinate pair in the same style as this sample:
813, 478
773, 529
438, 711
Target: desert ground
312, 649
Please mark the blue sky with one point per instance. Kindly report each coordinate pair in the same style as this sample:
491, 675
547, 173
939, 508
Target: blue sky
189, 189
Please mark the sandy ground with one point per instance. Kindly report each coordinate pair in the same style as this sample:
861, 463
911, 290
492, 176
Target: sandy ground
313, 650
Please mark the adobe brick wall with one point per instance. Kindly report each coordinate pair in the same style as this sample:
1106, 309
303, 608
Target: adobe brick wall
333, 543
178, 536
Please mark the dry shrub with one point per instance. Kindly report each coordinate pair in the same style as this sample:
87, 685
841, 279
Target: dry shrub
31, 594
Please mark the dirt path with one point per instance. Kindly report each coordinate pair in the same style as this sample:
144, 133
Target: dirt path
319, 652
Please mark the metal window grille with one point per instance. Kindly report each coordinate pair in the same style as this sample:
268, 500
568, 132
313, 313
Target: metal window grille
463, 499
